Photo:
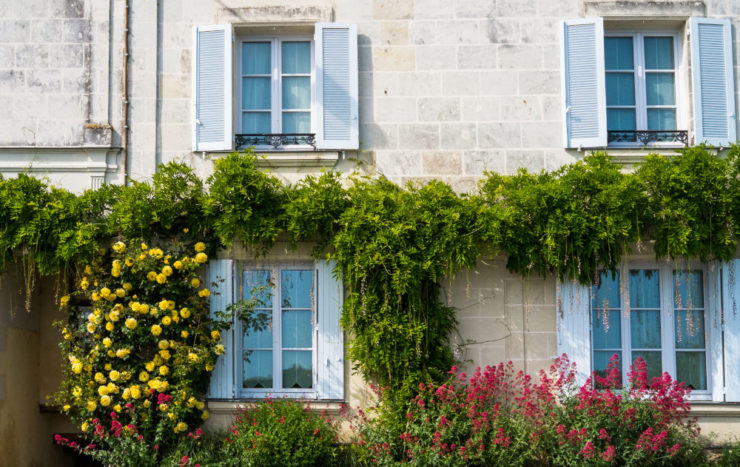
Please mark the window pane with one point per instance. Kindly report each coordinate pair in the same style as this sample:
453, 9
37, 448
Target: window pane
256, 122
644, 288
660, 89
256, 93
688, 290
689, 327
256, 58
618, 53
296, 93
645, 329
296, 122
691, 368
606, 295
296, 57
257, 369
620, 119
601, 363
258, 285
297, 329
654, 362
258, 339
620, 89
296, 288
661, 119
607, 329
297, 369
659, 53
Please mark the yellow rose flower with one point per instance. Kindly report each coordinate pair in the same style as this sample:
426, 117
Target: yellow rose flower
114, 375
146, 403
177, 264
117, 407
107, 342
151, 275
135, 392
91, 405
209, 367
161, 278
103, 390
120, 293
185, 313
163, 407
64, 300
122, 353
105, 400
156, 329
111, 353
131, 323
171, 415
200, 247
200, 405
119, 247
149, 366
108, 367
182, 426
126, 394
109, 326
91, 327
104, 292
184, 334
165, 354
186, 230
166, 320
141, 257
114, 315
84, 426
201, 258
84, 284
77, 391
129, 261
192, 358
167, 271
143, 246
164, 344
77, 368
204, 293
195, 282
143, 376
88, 270
219, 349
215, 335
143, 308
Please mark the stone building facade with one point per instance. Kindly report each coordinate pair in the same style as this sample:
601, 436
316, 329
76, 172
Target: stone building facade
435, 89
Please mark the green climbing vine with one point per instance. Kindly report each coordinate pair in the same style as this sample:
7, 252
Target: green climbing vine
394, 244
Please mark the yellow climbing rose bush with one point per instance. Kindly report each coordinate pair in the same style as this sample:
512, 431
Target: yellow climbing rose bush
139, 346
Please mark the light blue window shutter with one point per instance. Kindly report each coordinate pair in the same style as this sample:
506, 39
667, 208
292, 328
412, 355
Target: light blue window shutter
731, 313
713, 78
212, 95
337, 117
714, 329
330, 345
574, 327
221, 273
584, 92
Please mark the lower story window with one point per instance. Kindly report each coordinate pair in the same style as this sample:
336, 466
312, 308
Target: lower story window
280, 357
656, 313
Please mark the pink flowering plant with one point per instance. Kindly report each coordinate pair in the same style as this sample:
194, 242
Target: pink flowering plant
499, 416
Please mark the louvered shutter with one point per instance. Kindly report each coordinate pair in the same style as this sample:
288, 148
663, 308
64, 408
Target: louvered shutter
731, 312
221, 273
330, 345
212, 94
713, 80
574, 326
337, 117
714, 330
583, 78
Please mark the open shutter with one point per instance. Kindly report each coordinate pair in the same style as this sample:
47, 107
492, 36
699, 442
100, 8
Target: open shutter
713, 79
714, 330
221, 273
337, 117
584, 92
330, 346
212, 95
731, 313
574, 328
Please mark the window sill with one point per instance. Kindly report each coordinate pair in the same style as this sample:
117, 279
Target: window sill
298, 159
707, 409
217, 407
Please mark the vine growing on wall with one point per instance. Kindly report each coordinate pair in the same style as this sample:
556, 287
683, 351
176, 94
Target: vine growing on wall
394, 244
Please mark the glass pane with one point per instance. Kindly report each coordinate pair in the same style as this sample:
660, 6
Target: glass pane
644, 288
691, 368
620, 89
661, 119
296, 57
297, 329
689, 327
258, 339
258, 285
607, 329
297, 369
606, 295
620, 119
296, 288
256, 58
297, 93
256, 122
257, 370
645, 329
618, 53
601, 363
256, 93
660, 89
654, 362
688, 290
296, 122
659, 53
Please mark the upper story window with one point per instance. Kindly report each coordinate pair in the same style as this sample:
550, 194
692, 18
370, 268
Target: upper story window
641, 87
623, 88
277, 92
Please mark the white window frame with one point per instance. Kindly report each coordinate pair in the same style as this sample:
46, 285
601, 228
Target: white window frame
276, 86
638, 51
667, 318
275, 269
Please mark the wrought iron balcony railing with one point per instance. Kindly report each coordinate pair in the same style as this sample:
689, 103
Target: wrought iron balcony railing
646, 137
276, 140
